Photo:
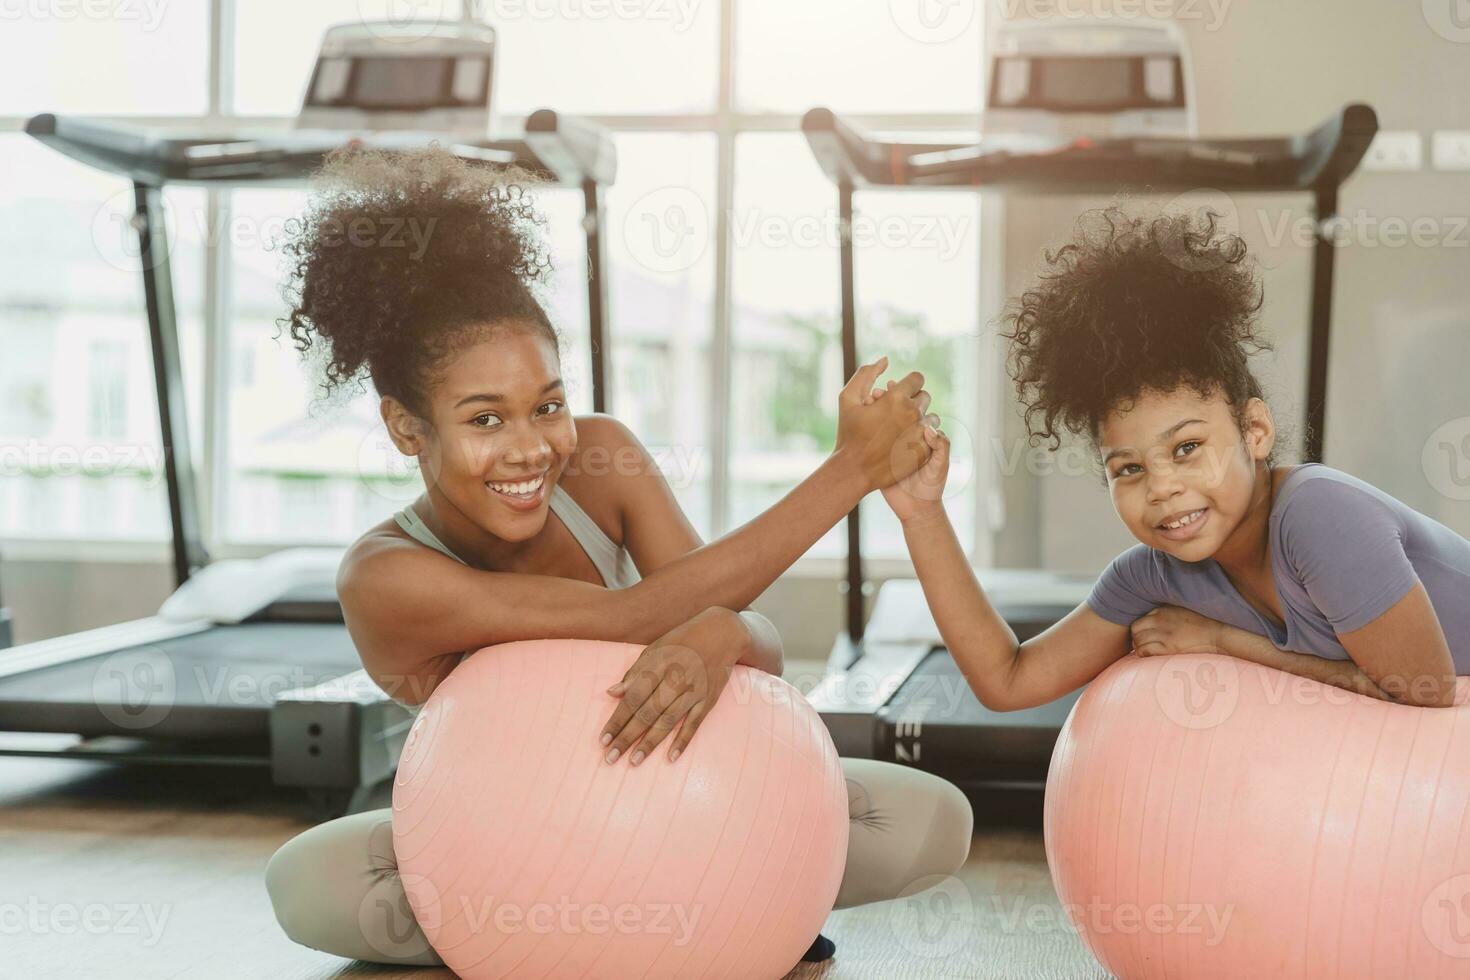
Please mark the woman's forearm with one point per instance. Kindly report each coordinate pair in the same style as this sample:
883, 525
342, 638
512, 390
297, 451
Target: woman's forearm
1345, 674
734, 570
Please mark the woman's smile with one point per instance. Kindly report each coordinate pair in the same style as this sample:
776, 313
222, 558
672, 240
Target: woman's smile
520, 495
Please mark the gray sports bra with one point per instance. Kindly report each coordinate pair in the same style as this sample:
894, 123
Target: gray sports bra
613, 563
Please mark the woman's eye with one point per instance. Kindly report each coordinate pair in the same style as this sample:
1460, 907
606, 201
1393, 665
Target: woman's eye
551, 408
1123, 470
1191, 442
485, 420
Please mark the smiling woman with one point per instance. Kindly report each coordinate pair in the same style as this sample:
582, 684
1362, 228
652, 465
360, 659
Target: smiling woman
536, 525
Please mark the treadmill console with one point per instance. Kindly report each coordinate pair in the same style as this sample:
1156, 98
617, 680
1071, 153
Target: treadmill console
401, 75
1089, 78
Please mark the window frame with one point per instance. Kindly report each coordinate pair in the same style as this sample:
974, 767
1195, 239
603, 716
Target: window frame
727, 123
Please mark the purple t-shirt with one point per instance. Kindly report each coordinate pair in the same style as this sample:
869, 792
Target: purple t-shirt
1343, 553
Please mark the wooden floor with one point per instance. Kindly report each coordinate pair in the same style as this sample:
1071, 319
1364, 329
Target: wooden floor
153, 874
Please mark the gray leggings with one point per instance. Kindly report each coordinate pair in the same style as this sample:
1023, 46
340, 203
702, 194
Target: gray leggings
335, 887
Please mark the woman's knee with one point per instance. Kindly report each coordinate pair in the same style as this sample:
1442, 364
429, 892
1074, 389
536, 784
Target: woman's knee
911, 828
335, 888
293, 878
951, 828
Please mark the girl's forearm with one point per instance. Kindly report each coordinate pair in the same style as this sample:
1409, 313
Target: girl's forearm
982, 643
734, 570
1345, 674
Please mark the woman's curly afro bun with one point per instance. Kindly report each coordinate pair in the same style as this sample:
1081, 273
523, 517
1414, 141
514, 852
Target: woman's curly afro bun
1134, 305
402, 256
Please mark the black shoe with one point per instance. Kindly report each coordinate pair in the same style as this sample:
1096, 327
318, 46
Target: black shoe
822, 949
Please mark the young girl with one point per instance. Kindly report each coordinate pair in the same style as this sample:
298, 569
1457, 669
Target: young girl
536, 525
1136, 339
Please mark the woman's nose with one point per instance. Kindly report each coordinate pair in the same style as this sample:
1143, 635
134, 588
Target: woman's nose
531, 449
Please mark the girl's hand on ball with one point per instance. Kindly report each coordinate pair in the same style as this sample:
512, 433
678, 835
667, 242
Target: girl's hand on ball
679, 676
1174, 629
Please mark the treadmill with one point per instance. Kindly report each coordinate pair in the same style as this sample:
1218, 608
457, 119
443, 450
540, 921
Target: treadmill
892, 691
248, 664
7, 637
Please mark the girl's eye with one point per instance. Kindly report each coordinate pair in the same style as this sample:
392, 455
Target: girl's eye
485, 420
551, 408
1124, 469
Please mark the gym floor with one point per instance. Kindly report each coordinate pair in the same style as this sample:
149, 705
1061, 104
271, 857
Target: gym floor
157, 873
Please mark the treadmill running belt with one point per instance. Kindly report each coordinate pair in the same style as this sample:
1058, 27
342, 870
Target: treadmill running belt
218, 683
935, 723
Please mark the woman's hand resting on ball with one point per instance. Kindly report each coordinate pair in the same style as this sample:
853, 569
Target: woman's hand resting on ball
1174, 629
680, 675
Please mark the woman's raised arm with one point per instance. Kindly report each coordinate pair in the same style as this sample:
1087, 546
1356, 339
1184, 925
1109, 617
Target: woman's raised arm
412, 611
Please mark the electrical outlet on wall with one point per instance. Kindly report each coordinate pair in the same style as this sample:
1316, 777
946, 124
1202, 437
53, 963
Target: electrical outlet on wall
1451, 149
1395, 150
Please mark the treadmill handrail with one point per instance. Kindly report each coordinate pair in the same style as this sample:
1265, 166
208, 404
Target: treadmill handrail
1328, 153
41, 654
567, 150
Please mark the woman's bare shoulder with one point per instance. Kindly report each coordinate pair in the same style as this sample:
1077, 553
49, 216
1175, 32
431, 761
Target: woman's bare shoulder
382, 545
607, 451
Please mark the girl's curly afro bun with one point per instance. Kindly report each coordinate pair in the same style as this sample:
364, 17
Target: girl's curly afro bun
401, 256
1134, 304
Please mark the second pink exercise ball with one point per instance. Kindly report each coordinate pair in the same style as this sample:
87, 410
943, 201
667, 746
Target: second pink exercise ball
524, 854
1208, 818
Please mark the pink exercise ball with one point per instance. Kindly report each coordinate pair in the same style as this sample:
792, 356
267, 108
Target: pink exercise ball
1207, 817
525, 854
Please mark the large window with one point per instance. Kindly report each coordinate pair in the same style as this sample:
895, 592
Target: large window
134, 59
79, 442
726, 358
